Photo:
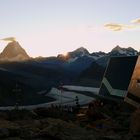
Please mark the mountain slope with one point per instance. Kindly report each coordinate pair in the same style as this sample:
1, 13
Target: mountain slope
92, 76
27, 85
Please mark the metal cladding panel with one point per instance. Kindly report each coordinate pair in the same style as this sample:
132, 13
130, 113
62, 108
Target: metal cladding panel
133, 94
117, 76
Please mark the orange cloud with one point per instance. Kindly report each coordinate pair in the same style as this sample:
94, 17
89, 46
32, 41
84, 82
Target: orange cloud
120, 27
136, 21
115, 26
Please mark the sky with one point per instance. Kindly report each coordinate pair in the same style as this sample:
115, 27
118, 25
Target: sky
51, 27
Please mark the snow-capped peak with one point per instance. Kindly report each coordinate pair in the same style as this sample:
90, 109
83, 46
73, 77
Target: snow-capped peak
82, 51
118, 49
124, 51
78, 52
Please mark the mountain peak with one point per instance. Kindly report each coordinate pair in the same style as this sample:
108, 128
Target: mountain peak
13, 45
13, 52
131, 49
123, 51
82, 50
78, 52
117, 48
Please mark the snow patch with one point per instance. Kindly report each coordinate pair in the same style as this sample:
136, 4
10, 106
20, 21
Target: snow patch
68, 97
94, 57
81, 88
72, 60
3, 69
42, 92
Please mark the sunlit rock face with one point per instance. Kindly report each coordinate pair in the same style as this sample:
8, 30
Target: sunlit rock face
13, 52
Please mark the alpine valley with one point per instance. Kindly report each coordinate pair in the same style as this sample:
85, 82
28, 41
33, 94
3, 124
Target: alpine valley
35, 77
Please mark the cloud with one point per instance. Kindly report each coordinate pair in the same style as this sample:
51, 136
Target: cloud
119, 27
9, 39
115, 26
136, 21
135, 24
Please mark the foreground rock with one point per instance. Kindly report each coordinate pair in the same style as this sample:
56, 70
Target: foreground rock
54, 124
50, 129
8, 128
135, 123
62, 130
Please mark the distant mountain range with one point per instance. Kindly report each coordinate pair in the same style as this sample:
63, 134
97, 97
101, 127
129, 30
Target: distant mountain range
15, 53
33, 75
